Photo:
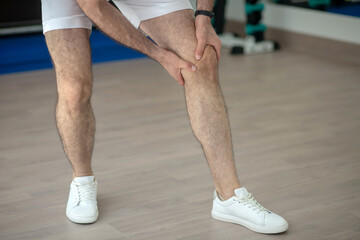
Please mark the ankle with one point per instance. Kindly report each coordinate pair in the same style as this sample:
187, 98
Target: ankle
85, 174
226, 193
224, 196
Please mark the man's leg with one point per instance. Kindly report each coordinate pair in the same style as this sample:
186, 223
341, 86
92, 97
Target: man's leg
205, 104
70, 52
209, 121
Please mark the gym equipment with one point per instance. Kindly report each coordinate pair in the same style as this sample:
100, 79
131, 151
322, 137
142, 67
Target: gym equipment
254, 40
313, 4
319, 4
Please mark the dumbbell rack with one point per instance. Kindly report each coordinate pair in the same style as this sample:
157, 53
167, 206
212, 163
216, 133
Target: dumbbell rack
254, 40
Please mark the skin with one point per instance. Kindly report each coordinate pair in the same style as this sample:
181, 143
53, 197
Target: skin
205, 104
70, 52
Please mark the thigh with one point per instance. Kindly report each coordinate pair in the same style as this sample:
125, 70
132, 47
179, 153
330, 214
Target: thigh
71, 55
174, 31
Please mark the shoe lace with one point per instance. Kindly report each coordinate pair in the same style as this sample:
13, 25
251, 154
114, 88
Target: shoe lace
252, 203
85, 192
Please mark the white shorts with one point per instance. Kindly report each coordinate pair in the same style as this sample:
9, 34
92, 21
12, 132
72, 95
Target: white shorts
62, 14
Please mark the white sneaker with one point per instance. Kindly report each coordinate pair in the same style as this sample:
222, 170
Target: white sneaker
243, 209
82, 205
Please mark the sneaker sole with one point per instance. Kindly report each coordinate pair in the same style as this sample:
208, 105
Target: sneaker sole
83, 220
249, 225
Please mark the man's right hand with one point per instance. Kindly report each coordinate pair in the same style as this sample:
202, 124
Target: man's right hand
173, 64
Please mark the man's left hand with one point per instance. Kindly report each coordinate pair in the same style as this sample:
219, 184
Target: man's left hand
205, 35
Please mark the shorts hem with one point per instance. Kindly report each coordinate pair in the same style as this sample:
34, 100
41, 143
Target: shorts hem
78, 21
150, 13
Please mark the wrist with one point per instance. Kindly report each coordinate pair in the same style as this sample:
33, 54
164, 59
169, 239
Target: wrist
159, 54
202, 19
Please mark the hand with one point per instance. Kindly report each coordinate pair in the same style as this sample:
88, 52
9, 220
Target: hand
205, 35
173, 64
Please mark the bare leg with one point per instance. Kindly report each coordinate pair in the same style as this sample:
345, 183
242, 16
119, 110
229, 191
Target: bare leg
70, 52
205, 104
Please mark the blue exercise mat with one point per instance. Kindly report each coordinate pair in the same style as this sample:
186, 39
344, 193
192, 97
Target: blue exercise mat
29, 52
350, 10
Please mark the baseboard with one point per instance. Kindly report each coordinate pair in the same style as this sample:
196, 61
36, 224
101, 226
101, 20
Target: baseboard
341, 51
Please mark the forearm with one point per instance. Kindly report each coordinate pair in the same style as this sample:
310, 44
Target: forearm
115, 25
207, 5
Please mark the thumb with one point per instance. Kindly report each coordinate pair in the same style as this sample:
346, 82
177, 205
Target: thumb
188, 65
199, 50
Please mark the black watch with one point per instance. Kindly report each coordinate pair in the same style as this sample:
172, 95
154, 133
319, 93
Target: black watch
206, 13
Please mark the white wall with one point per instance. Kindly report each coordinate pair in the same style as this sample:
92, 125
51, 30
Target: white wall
312, 22
299, 20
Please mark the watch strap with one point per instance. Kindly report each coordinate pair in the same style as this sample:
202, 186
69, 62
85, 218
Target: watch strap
204, 12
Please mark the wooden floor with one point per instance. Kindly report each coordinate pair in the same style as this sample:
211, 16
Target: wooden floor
295, 122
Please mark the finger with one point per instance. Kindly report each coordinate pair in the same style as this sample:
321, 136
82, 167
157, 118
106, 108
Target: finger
180, 79
200, 50
217, 47
187, 65
218, 51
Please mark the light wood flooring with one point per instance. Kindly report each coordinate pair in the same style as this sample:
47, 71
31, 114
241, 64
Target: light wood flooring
295, 122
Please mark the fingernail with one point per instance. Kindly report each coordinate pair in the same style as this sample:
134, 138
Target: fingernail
198, 57
193, 68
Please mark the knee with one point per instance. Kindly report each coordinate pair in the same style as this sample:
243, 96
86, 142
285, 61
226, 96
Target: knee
208, 63
74, 94
207, 67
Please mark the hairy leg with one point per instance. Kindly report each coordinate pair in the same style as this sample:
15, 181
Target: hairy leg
205, 104
70, 52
